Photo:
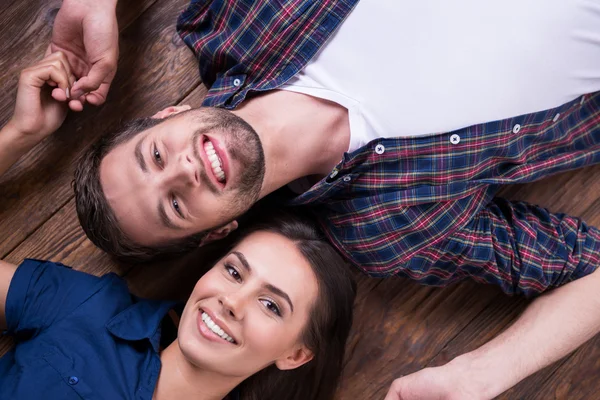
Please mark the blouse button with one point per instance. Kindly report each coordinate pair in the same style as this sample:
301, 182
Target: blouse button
73, 380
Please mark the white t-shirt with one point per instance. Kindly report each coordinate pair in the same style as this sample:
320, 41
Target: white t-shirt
410, 68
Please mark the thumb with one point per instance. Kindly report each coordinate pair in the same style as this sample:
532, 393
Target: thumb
97, 81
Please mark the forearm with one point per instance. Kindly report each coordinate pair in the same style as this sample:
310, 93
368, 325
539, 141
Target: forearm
553, 325
12, 146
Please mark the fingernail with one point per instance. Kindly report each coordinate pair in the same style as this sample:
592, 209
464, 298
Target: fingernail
68, 95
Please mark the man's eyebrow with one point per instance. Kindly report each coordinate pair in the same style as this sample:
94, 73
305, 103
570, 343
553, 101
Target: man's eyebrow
164, 218
274, 289
140, 157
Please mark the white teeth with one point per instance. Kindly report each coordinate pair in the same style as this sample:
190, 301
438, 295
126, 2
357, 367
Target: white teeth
216, 328
215, 162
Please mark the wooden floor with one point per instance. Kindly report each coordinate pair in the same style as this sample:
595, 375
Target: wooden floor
400, 327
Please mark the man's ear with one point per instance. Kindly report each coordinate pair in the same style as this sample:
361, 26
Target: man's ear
167, 112
220, 233
297, 358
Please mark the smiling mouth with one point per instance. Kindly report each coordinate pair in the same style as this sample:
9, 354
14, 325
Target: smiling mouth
216, 329
216, 164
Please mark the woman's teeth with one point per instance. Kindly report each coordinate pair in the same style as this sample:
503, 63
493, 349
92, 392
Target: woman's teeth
216, 328
215, 161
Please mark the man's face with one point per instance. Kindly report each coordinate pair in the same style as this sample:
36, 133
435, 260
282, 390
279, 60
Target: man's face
182, 177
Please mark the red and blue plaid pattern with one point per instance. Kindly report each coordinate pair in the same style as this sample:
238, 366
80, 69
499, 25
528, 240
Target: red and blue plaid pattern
420, 207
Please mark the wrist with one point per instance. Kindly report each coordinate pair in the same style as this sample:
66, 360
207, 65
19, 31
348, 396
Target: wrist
476, 376
17, 138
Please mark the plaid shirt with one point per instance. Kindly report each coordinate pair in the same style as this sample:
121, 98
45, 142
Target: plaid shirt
420, 207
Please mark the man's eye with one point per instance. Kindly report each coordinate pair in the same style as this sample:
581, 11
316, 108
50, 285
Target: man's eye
157, 156
272, 306
176, 206
233, 272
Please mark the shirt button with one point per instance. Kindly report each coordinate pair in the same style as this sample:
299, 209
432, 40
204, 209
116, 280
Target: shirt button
237, 82
556, 117
582, 100
73, 380
333, 173
455, 139
516, 128
379, 149
347, 179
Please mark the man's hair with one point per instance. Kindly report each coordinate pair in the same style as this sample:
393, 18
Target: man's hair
97, 218
329, 321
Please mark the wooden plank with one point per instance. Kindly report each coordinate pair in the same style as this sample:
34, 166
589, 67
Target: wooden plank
400, 326
156, 70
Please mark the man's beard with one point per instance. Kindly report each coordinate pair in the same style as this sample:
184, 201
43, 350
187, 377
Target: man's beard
246, 148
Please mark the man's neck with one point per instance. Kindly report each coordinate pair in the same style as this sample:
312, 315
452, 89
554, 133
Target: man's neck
301, 135
179, 379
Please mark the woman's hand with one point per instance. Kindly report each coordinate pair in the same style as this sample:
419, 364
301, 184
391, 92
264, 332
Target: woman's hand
86, 31
37, 114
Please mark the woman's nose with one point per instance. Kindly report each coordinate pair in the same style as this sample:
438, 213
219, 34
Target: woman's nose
233, 306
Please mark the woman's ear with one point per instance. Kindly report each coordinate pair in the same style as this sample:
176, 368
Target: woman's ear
167, 112
296, 359
219, 233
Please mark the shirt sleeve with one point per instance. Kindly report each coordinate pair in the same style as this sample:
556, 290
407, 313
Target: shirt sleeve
43, 292
522, 248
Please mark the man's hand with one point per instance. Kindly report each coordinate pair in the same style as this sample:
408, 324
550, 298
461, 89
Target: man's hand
87, 32
439, 383
37, 114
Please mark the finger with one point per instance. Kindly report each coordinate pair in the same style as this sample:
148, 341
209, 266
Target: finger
76, 105
98, 97
61, 57
39, 75
98, 80
59, 95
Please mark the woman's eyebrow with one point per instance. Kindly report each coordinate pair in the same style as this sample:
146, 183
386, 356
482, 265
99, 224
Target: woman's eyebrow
273, 289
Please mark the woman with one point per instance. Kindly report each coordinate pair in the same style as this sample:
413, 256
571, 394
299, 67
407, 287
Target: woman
270, 318
268, 321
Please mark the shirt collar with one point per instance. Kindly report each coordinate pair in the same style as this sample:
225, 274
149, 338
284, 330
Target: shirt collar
140, 321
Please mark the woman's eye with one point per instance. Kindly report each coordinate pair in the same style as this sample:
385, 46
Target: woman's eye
157, 156
271, 306
233, 272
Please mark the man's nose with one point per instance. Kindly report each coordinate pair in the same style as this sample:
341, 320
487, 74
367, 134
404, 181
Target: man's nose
184, 170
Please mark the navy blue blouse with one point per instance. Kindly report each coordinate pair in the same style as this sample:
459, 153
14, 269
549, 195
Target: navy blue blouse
79, 336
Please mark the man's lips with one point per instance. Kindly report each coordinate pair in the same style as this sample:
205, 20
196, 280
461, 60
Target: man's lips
221, 154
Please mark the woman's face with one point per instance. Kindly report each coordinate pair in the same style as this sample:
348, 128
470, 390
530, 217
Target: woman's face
250, 309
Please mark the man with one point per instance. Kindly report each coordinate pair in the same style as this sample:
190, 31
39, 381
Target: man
402, 200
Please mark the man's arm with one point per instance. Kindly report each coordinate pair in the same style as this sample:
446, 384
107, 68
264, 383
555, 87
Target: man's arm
553, 325
522, 248
7, 271
527, 250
